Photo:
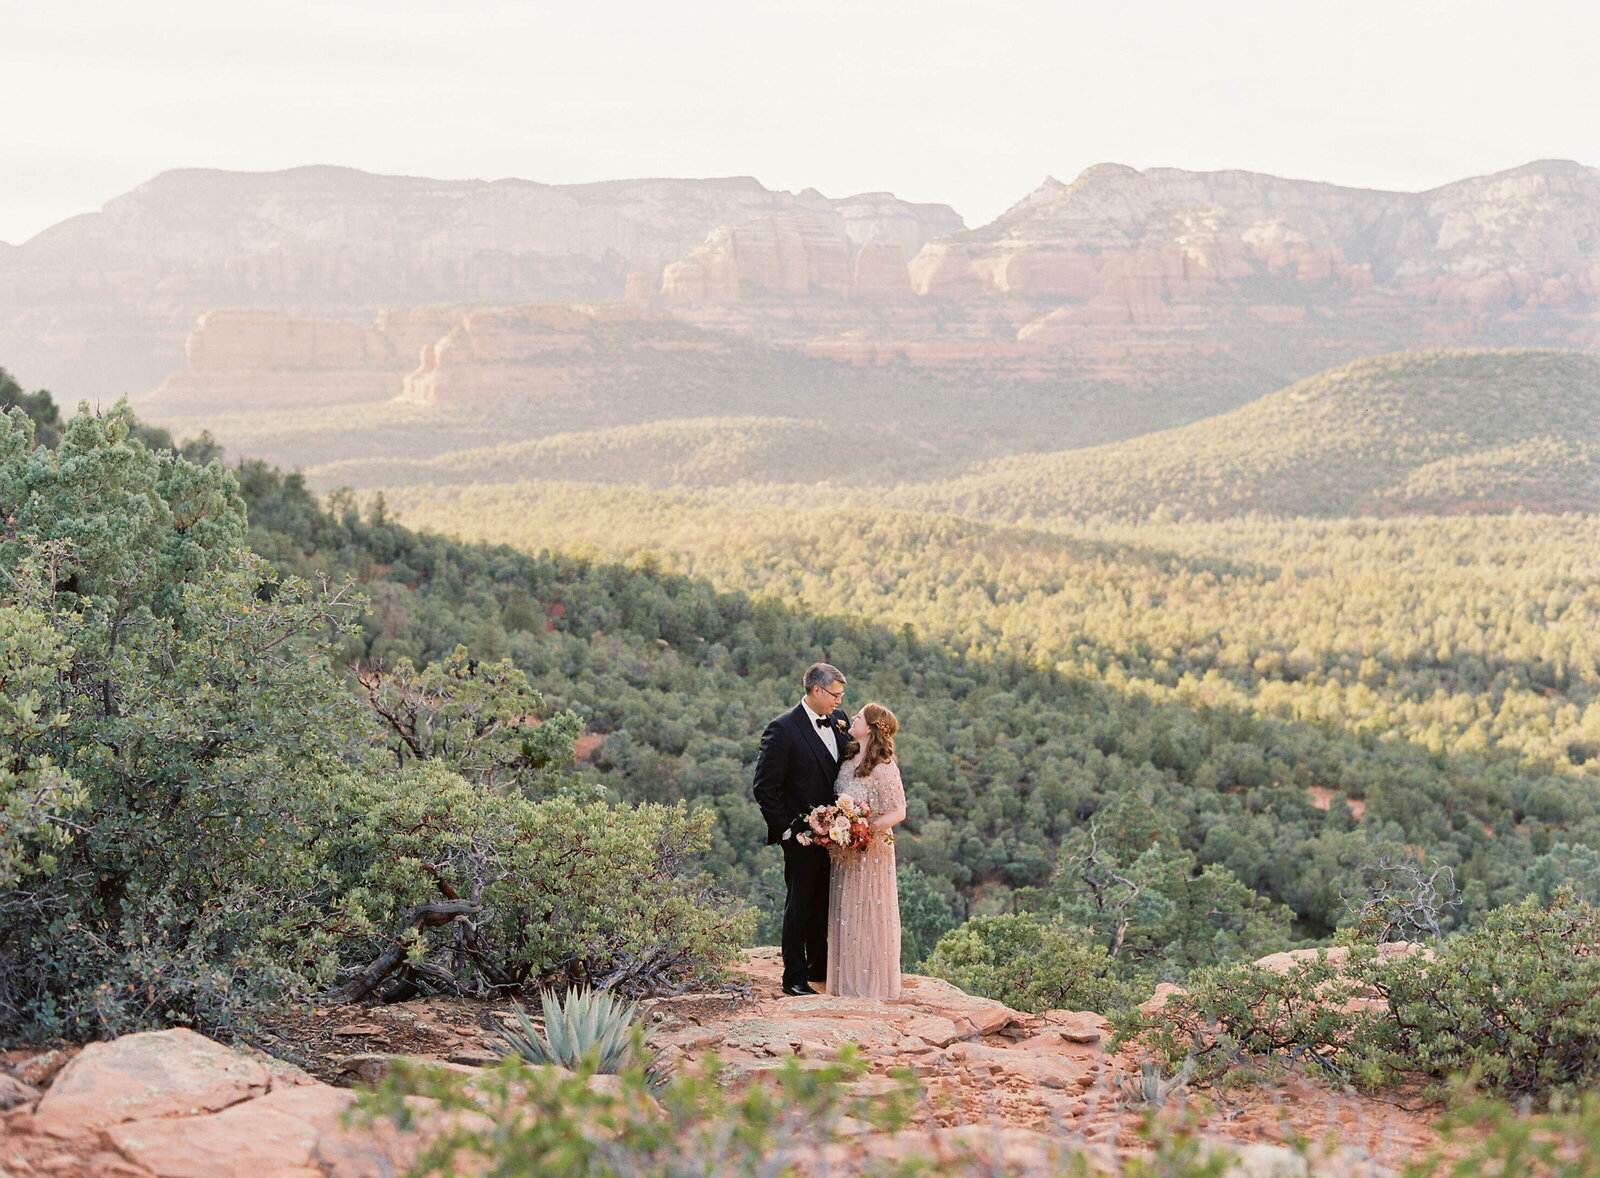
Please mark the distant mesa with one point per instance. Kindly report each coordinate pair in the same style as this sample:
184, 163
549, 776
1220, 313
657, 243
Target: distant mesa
267, 360
116, 292
279, 288
1133, 247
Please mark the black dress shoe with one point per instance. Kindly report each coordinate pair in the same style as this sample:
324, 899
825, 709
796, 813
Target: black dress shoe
796, 989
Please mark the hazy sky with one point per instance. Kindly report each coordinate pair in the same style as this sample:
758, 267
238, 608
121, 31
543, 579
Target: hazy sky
971, 103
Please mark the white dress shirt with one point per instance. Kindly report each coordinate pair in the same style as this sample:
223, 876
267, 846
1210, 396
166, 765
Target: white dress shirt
825, 732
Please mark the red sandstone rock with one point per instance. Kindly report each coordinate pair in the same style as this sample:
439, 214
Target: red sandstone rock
1008, 1102
14, 1093
40, 1069
794, 256
274, 1132
708, 275
880, 273
334, 243
154, 1074
1164, 992
944, 271
1336, 955
1078, 1026
538, 350
1111, 277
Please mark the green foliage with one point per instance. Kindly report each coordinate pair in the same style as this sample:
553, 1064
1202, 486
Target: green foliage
40, 407
574, 892
1028, 963
1236, 676
1489, 1139
1249, 1014
1149, 1087
479, 717
925, 915
186, 695
1252, 681
35, 793
1513, 1004
1127, 877
699, 451
543, 1121
195, 812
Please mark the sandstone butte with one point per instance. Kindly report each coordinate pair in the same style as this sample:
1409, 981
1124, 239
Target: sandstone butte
100, 304
1013, 1088
1113, 276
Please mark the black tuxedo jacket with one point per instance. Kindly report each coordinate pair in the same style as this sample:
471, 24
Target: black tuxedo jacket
794, 770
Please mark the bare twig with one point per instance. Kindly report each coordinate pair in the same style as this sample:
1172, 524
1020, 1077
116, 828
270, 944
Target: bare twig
415, 920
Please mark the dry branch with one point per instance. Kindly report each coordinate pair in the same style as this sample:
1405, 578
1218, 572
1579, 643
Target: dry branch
416, 919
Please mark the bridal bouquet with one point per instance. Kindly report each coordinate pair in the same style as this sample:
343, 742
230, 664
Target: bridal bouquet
844, 825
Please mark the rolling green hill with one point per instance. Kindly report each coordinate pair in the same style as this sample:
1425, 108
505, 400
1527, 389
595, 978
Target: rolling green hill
1404, 433
696, 451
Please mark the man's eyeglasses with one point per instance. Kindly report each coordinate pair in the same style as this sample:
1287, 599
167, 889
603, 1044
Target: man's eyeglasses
837, 695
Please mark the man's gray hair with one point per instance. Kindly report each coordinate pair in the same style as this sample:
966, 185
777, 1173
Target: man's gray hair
822, 675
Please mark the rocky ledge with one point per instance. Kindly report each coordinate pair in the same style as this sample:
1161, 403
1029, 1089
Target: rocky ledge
1016, 1088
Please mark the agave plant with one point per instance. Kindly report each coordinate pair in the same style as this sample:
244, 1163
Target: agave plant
591, 1027
1152, 1087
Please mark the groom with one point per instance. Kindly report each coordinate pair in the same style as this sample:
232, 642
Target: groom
795, 772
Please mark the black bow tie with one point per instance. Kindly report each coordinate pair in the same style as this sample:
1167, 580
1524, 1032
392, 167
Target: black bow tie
822, 721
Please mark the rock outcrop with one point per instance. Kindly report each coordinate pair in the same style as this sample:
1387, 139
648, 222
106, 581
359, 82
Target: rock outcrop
173, 1104
517, 354
1000, 1085
795, 257
1167, 246
152, 1076
268, 359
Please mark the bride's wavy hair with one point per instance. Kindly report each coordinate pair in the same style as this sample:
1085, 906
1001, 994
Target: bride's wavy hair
881, 727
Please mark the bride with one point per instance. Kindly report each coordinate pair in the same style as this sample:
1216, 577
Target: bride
863, 899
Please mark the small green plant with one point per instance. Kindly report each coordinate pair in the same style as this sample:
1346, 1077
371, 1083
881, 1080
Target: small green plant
551, 1123
1490, 1139
591, 1030
1027, 962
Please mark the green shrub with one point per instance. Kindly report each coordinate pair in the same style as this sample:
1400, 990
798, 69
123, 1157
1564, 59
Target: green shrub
1488, 1139
925, 915
551, 1123
573, 892
1027, 962
35, 793
196, 812
523, 1121
189, 693
1243, 1014
1513, 1004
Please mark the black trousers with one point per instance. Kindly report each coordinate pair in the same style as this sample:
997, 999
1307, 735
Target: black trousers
805, 913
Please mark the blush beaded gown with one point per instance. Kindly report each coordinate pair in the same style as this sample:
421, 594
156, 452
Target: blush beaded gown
863, 897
